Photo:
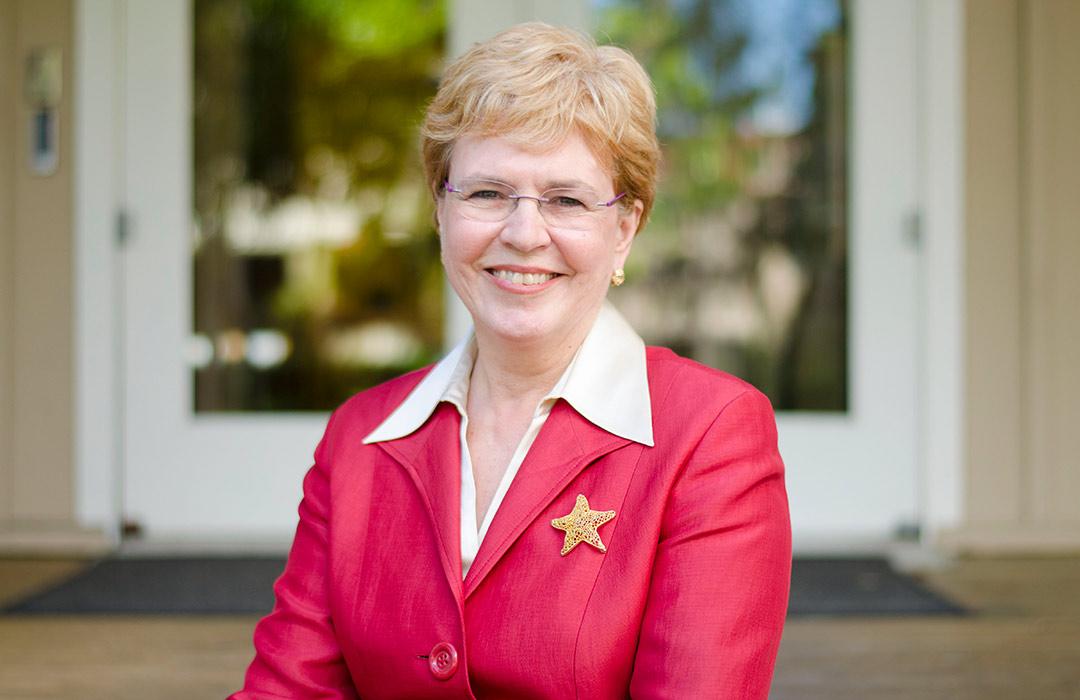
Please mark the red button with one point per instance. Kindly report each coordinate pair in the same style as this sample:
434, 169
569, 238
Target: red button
443, 660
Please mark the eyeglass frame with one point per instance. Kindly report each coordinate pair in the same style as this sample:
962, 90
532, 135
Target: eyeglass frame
540, 200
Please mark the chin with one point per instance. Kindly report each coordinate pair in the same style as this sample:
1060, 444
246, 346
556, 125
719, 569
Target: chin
523, 325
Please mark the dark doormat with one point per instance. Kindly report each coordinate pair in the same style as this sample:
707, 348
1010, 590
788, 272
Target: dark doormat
185, 585
243, 586
867, 586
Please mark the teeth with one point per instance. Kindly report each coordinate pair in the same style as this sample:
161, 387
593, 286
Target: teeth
525, 278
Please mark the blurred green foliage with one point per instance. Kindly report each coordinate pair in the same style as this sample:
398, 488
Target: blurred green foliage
743, 264
305, 105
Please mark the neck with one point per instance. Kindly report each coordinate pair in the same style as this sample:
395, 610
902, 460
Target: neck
514, 371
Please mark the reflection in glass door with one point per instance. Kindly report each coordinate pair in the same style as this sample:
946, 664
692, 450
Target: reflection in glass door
744, 262
316, 265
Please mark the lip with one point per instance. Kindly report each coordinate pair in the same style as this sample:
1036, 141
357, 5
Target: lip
522, 288
522, 269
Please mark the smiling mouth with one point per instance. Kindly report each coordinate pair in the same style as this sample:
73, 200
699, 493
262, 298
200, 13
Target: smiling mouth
522, 278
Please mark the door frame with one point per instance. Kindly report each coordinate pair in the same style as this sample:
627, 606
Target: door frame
98, 163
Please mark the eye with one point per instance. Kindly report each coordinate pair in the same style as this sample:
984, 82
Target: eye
485, 193
567, 201
482, 194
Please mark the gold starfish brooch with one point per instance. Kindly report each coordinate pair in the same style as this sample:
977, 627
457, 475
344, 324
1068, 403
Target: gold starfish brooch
580, 525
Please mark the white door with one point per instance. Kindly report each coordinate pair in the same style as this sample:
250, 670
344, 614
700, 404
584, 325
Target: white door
207, 477
854, 475
219, 476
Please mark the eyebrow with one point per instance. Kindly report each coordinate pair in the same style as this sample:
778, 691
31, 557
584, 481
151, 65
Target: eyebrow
568, 184
561, 184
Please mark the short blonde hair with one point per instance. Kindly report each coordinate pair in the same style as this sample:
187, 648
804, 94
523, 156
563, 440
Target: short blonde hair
535, 84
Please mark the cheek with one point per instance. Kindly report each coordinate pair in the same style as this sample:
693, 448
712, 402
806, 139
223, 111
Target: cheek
460, 245
592, 255
451, 256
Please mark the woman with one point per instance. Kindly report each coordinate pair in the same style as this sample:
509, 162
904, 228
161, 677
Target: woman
553, 510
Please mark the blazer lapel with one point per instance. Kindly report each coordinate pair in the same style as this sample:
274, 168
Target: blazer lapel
566, 444
432, 458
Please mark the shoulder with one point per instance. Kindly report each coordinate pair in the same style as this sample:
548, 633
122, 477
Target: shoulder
365, 410
676, 380
691, 400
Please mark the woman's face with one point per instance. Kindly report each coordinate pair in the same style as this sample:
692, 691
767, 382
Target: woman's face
563, 273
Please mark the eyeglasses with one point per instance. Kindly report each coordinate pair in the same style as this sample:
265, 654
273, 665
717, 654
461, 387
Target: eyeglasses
491, 201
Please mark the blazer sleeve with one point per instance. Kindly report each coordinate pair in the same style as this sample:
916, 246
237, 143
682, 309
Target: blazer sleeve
718, 596
296, 651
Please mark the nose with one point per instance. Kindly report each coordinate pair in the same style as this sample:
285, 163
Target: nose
525, 229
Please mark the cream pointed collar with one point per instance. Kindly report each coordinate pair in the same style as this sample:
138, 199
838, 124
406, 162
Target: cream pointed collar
607, 383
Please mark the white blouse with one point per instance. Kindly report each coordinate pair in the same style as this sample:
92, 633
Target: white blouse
606, 383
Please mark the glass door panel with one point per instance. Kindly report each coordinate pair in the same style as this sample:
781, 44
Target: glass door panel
744, 263
315, 261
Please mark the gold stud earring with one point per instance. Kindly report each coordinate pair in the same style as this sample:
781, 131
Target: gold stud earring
618, 277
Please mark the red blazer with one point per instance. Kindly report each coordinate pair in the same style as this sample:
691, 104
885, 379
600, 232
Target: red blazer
688, 601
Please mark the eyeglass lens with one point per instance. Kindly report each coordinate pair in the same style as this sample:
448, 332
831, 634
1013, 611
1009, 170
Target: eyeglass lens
491, 201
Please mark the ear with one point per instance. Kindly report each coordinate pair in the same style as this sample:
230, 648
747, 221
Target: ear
626, 231
438, 215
